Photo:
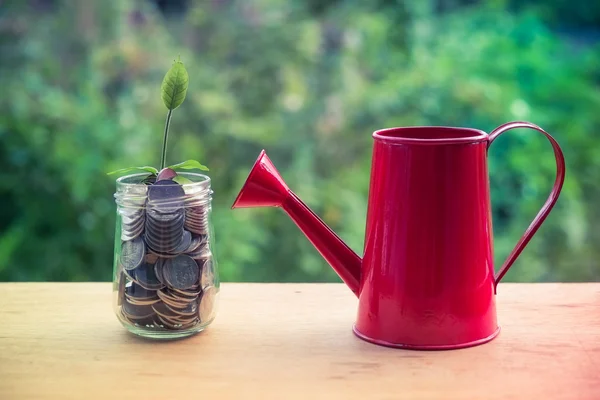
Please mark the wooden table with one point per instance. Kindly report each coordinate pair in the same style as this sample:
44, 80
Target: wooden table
291, 341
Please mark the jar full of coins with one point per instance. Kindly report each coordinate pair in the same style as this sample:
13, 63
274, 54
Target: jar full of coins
165, 275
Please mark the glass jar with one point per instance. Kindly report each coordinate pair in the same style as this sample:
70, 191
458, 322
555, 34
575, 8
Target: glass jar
165, 275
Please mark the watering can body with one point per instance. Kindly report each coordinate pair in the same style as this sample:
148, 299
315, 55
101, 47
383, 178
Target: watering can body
427, 278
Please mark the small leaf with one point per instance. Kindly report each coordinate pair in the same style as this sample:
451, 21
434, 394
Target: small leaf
182, 180
152, 170
174, 85
189, 164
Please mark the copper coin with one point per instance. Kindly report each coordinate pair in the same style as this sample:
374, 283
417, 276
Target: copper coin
161, 309
207, 277
121, 291
206, 306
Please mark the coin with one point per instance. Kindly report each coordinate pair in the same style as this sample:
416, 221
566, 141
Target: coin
132, 221
121, 291
161, 309
132, 253
145, 276
181, 272
165, 194
164, 232
137, 311
196, 219
168, 298
202, 252
170, 216
207, 277
191, 293
195, 243
134, 290
207, 301
151, 258
184, 243
188, 311
129, 274
142, 302
158, 268
174, 303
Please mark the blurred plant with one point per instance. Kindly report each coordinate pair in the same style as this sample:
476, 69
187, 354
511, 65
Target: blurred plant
307, 82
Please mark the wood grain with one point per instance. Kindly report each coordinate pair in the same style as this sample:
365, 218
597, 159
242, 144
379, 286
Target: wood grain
291, 341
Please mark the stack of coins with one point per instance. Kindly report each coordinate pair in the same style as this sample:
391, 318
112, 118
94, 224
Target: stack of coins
132, 214
167, 278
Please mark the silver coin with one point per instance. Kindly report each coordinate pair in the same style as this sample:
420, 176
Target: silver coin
137, 311
131, 212
132, 220
181, 272
162, 245
128, 233
162, 236
128, 238
134, 290
165, 195
145, 276
170, 217
164, 231
133, 230
158, 268
185, 242
132, 253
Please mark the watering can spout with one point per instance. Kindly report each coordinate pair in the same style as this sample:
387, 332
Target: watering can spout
264, 187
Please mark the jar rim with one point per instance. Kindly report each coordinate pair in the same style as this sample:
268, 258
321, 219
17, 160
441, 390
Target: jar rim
205, 179
133, 194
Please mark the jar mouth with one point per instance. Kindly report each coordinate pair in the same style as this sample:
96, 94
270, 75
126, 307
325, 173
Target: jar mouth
132, 192
136, 179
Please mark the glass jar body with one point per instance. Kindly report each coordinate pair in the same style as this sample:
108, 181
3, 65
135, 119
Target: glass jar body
165, 274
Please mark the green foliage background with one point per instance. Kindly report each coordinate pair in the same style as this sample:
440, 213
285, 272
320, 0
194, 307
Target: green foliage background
309, 81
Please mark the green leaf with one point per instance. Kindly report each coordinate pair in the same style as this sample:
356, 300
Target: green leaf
189, 164
174, 85
129, 169
182, 180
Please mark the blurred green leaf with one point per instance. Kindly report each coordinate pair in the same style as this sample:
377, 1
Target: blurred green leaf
152, 170
189, 164
182, 180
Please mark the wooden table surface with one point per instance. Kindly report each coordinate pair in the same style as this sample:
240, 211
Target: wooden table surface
291, 341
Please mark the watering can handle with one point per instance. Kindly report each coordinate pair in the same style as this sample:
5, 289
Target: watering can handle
548, 205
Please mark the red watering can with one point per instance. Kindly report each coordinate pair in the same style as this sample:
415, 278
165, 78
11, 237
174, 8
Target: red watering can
426, 279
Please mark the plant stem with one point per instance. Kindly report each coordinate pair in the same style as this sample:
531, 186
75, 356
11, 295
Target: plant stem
166, 136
